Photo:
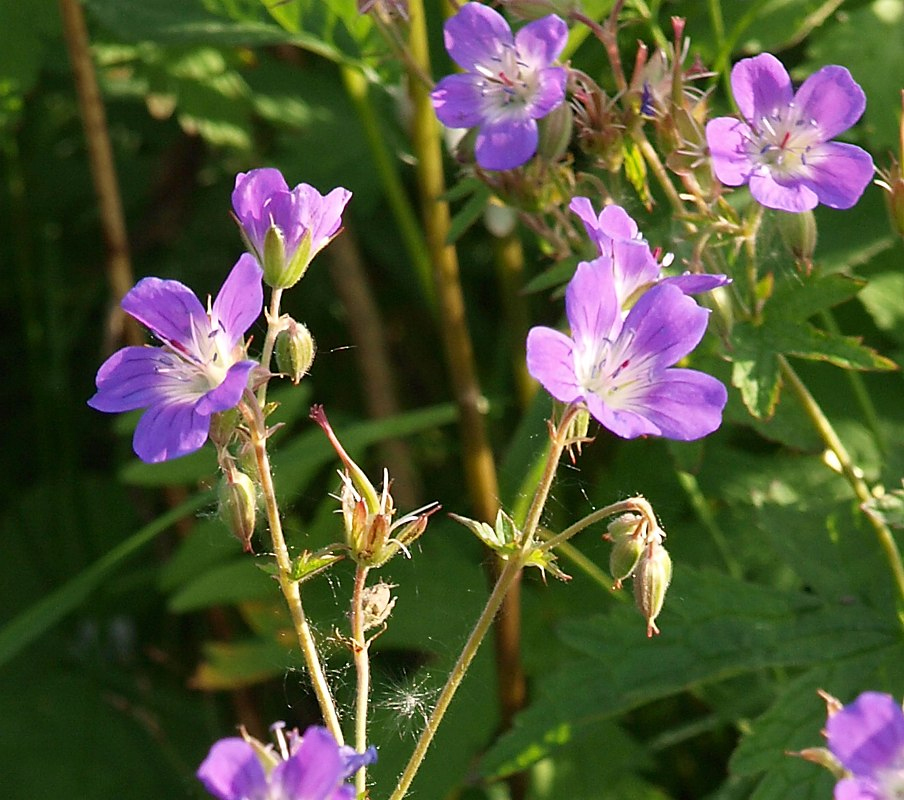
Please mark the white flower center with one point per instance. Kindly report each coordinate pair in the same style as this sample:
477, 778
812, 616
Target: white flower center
508, 84
782, 140
607, 369
890, 783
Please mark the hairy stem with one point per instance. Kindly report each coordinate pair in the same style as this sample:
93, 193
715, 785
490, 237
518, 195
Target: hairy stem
508, 577
361, 655
269, 340
290, 589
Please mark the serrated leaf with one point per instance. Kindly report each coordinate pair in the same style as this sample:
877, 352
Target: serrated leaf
755, 371
806, 341
713, 628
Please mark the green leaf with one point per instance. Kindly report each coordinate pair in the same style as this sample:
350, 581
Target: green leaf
883, 298
231, 665
224, 584
800, 298
469, 213
713, 628
755, 371
805, 341
34, 621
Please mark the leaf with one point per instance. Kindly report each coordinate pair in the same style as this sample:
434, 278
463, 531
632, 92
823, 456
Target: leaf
232, 665
883, 298
799, 299
755, 371
224, 584
713, 628
34, 621
469, 213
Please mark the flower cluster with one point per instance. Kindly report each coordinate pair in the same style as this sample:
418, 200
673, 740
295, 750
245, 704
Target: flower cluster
629, 328
308, 767
508, 83
782, 148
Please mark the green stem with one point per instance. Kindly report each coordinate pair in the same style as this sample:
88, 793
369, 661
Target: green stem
508, 577
858, 387
291, 591
849, 470
358, 90
698, 501
633, 504
361, 654
272, 315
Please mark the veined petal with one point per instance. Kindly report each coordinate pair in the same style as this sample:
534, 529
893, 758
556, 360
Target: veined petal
792, 196
727, 139
867, 734
170, 429
457, 100
622, 421
856, 789
634, 267
613, 222
591, 304
328, 221
229, 392
476, 35
550, 360
169, 309
232, 771
683, 404
550, 91
540, 42
315, 770
696, 283
832, 99
838, 173
129, 379
249, 200
506, 143
662, 327
617, 223
761, 86
239, 301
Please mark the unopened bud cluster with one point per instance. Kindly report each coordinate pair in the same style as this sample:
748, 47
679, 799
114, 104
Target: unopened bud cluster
638, 553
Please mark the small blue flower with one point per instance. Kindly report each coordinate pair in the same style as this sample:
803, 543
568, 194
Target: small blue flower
508, 83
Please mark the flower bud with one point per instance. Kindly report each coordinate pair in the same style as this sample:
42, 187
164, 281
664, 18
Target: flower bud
555, 132
238, 506
625, 556
281, 272
651, 580
295, 350
798, 232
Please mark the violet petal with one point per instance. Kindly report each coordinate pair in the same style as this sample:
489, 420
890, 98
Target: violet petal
838, 173
832, 99
540, 42
475, 35
760, 86
240, 299
170, 430
168, 308
550, 360
506, 144
867, 734
458, 101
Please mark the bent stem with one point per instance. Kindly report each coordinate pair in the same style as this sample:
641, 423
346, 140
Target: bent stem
849, 470
508, 577
257, 427
361, 656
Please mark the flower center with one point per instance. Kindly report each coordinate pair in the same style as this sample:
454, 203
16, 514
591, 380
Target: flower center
508, 83
891, 784
605, 368
782, 140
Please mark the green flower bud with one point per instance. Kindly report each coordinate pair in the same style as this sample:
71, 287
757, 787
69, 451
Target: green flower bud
624, 558
798, 232
295, 351
281, 272
651, 580
238, 506
555, 132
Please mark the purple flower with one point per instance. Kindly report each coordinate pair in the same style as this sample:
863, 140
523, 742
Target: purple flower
508, 82
635, 268
285, 228
782, 147
867, 737
312, 767
621, 369
197, 372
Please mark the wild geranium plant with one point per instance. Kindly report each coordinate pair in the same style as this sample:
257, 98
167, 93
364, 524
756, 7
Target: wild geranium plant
659, 347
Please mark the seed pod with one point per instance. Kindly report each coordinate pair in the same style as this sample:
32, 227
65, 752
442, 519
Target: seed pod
238, 506
651, 580
624, 558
